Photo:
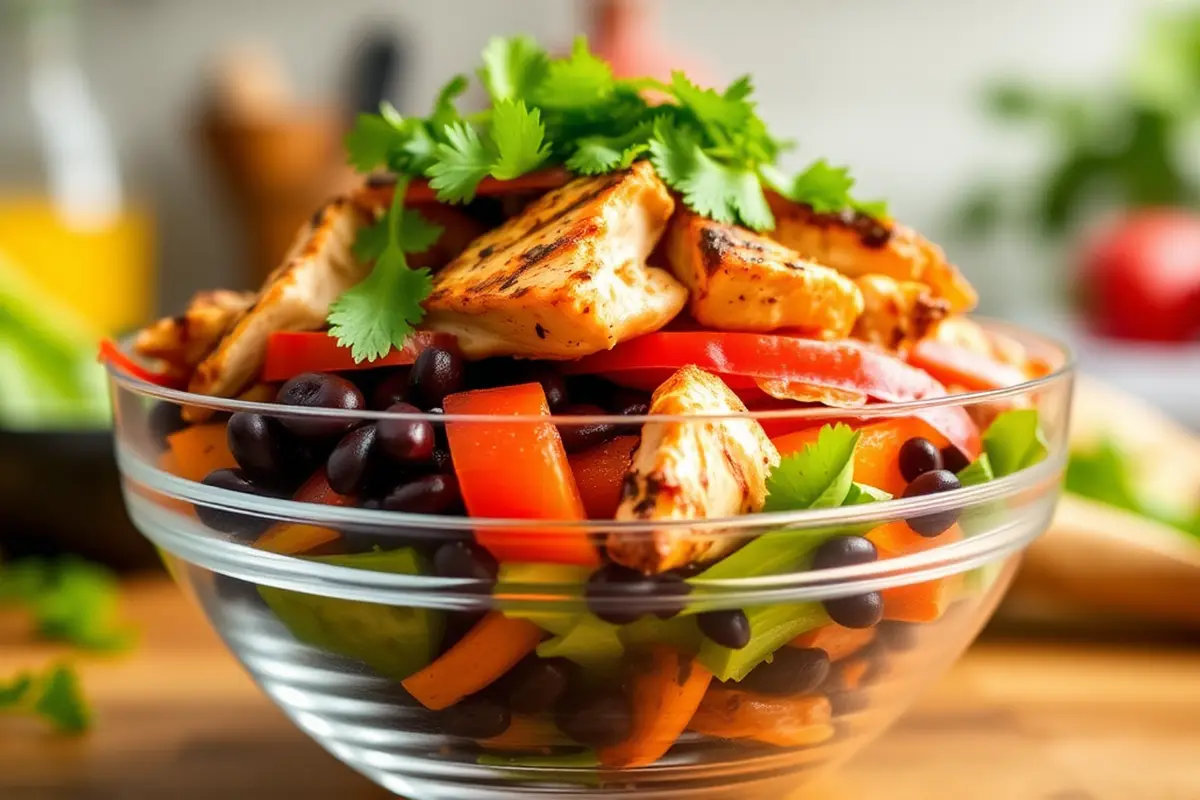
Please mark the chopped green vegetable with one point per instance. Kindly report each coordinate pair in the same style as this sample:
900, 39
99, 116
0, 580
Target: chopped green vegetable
682, 633
1014, 441
54, 696
771, 627
395, 641
590, 642
70, 600
977, 472
819, 476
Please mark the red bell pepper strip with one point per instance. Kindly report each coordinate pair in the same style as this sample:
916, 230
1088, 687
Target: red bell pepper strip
290, 353
517, 470
111, 354
843, 366
958, 366
599, 474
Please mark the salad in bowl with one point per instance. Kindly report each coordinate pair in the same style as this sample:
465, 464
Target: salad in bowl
581, 450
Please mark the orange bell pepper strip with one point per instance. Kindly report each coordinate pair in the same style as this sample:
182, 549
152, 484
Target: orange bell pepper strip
959, 366
782, 721
921, 602
666, 695
877, 456
194, 452
483, 656
296, 538
599, 473
517, 470
837, 642
897, 539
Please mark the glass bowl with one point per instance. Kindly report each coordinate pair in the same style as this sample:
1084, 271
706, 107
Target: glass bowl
546, 683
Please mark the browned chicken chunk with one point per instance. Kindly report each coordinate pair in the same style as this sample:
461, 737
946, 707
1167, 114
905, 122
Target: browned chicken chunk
897, 314
184, 341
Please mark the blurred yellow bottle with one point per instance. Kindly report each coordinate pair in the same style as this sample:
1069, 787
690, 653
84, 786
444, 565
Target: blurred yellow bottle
103, 271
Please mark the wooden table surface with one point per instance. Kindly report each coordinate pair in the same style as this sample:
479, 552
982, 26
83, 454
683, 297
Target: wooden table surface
1031, 720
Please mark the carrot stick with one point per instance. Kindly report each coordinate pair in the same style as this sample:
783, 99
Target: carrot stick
599, 473
527, 734
921, 602
837, 642
782, 721
194, 452
487, 652
897, 539
665, 696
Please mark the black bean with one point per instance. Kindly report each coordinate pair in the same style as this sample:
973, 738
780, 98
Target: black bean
435, 374
600, 719
555, 388
537, 684
263, 448
898, 636
844, 551
856, 611
430, 494
793, 671
617, 594
917, 457
954, 459
629, 402
163, 420
930, 525
393, 389
727, 628
406, 441
233, 521
350, 461
670, 585
475, 718
439, 428
579, 437
465, 560
319, 390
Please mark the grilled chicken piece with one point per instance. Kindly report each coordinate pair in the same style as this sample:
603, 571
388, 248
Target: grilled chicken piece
296, 297
741, 281
897, 314
184, 341
701, 469
565, 278
856, 245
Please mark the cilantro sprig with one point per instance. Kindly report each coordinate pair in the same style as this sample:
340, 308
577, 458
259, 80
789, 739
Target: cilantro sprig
54, 695
710, 146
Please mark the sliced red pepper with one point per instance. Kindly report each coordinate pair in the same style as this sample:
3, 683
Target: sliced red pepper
290, 353
112, 354
843, 366
600, 472
958, 366
517, 470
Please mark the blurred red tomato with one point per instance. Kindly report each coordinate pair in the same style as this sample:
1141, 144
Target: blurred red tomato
1141, 277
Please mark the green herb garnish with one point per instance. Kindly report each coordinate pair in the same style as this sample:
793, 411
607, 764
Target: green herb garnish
710, 146
54, 696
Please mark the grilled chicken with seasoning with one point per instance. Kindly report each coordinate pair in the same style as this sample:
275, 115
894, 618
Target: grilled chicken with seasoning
296, 297
565, 278
742, 281
184, 341
691, 470
856, 244
897, 314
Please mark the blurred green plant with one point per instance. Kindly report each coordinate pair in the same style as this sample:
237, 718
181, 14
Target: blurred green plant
1121, 147
1103, 474
70, 601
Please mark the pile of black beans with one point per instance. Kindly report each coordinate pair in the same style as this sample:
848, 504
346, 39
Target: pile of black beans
394, 464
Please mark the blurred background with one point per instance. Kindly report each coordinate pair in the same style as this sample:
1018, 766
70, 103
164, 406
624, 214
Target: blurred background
149, 148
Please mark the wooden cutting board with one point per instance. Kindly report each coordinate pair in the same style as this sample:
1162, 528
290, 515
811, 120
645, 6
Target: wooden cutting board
1013, 721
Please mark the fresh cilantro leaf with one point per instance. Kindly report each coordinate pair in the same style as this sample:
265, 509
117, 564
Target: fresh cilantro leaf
824, 187
875, 209
70, 601
748, 200
61, 701
720, 114
819, 476
14, 693
463, 160
380, 312
372, 140
371, 241
519, 139
673, 152
596, 156
580, 81
977, 472
1014, 441
416, 233
55, 696
860, 494
512, 67
444, 110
